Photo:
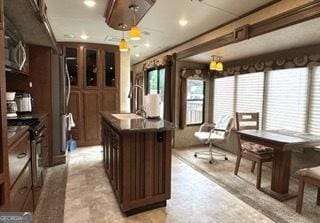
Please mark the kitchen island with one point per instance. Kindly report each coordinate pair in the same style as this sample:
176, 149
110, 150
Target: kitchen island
137, 160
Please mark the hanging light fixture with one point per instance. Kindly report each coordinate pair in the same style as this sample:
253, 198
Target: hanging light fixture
135, 33
216, 63
123, 44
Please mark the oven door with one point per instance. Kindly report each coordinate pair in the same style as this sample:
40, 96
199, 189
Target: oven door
37, 161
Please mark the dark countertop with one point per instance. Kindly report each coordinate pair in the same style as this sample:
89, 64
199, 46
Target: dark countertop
29, 116
137, 125
15, 132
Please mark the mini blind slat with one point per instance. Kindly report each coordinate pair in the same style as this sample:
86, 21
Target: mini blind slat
223, 97
314, 114
249, 95
286, 101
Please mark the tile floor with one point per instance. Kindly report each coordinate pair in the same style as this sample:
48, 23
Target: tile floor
195, 198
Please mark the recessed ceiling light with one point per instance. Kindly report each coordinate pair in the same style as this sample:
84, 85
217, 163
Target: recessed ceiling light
137, 55
89, 3
147, 45
183, 22
84, 36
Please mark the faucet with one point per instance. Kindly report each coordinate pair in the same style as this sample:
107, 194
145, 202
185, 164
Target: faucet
142, 109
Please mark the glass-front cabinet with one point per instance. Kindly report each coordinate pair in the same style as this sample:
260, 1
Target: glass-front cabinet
109, 69
71, 58
91, 68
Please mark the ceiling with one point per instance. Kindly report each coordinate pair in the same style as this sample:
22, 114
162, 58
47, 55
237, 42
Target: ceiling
302, 34
160, 26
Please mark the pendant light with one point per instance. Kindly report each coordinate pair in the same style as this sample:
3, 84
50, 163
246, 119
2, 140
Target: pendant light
216, 63
135, 33
123, 44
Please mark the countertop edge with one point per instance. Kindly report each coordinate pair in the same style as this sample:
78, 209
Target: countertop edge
107, 116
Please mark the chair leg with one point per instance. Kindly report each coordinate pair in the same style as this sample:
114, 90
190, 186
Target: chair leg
300, 195
259, 171
211, 155
236, 169
318, 197
253, 166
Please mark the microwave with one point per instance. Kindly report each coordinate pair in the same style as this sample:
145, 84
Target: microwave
15, 53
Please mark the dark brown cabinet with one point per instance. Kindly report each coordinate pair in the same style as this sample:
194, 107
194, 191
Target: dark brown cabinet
91, 108
21, 195
94, 76
138, 165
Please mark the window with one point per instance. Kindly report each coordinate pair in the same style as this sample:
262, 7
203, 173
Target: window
314, 113
249, 95
224, 89
155, 85
195, 101
286, 99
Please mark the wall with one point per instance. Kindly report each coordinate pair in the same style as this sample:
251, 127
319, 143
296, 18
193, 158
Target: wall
124, 81
184, 137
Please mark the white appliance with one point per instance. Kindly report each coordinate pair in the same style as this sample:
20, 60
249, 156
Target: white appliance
152, 104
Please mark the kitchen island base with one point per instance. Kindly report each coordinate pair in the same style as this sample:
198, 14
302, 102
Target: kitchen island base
137, 161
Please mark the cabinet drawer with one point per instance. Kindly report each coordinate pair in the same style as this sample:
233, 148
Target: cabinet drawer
21, 189
19, 155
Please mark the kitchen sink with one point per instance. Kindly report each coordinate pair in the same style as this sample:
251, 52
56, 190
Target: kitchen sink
127, 116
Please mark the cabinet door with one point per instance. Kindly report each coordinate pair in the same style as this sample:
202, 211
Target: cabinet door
109, 100
109, 69
91, 110
72, 60
91, 69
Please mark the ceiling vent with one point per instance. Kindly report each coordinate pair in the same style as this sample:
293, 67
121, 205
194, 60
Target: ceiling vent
112, 39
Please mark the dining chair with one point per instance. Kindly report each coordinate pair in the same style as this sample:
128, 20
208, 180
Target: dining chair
210, 133
256, 153
310, 176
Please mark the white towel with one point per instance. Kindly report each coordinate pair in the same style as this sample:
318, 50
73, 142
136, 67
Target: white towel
70, 122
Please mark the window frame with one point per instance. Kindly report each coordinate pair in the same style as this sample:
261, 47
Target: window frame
203, 104
158, 79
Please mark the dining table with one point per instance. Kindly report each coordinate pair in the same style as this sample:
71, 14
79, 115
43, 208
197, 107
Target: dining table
283, 143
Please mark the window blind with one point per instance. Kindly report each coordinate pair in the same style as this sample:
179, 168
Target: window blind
249, 95
314, 114
286, 101
224, 89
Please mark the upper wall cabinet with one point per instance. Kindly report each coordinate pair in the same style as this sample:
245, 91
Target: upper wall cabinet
109, 71
91, 68
71, 58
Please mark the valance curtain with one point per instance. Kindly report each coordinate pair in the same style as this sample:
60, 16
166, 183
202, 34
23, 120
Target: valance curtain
201, 74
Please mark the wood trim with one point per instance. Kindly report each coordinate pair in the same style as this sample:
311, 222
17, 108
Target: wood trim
4, 169
215, 28
206, 46
294, 16
297, 15
1, 15
117, 12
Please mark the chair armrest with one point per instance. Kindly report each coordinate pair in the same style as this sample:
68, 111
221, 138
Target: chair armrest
207, 127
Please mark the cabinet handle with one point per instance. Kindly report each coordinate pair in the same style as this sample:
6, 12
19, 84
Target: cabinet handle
21, 155
23, 190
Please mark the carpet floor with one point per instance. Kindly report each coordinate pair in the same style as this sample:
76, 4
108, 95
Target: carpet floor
243, 186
